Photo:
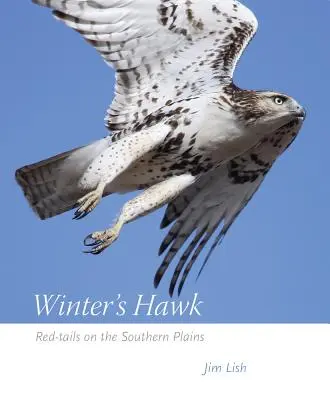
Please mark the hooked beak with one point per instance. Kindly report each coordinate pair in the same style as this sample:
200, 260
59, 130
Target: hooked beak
300, 113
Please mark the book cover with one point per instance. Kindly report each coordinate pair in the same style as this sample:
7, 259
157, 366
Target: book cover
148, 252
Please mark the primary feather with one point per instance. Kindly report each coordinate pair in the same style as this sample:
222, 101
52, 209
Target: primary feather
216, 200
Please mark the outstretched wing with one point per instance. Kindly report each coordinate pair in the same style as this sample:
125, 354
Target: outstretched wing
162, 50
215, 201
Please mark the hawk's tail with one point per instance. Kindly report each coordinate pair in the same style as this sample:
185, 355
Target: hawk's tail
51, 186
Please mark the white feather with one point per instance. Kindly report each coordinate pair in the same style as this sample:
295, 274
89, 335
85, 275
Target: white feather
157, 47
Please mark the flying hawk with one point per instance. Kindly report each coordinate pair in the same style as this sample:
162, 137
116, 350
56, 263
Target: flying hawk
179, 129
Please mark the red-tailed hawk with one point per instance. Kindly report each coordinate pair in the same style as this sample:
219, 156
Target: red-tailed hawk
179, 128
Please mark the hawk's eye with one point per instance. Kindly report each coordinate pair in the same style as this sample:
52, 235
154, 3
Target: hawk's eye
279, 100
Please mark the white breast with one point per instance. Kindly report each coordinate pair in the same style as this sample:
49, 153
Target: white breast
223, 135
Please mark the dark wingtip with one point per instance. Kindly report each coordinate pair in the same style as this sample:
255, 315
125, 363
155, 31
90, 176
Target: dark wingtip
200, 271
180, 287
174, 281
157, 279
171, 290
159, 274
162, 248
165, 222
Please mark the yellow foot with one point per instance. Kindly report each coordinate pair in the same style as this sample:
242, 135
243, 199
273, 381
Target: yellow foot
99, 241
87, 203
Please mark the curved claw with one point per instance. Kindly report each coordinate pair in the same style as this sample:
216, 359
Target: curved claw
87, 238
93, 242
97, 248
92, 251
79, 214
87, 203
99, 241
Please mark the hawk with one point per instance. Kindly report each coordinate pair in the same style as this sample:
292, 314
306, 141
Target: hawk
180, 130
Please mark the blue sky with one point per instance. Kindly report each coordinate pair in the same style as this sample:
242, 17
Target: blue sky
274, 264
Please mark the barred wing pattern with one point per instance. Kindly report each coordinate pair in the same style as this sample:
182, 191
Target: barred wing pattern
215, 201
162, 50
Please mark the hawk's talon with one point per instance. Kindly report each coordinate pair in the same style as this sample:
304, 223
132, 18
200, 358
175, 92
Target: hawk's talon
79, 215
97, 248
99, 241
87, 238
93, 251
88, 202
93, 242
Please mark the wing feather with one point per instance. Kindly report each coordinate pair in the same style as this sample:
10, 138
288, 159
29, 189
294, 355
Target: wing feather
198, 250
158, 47
215, 201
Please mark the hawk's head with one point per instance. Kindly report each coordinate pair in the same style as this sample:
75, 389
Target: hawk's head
265, 109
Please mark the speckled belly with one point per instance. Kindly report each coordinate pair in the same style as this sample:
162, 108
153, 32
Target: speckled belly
158, 166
